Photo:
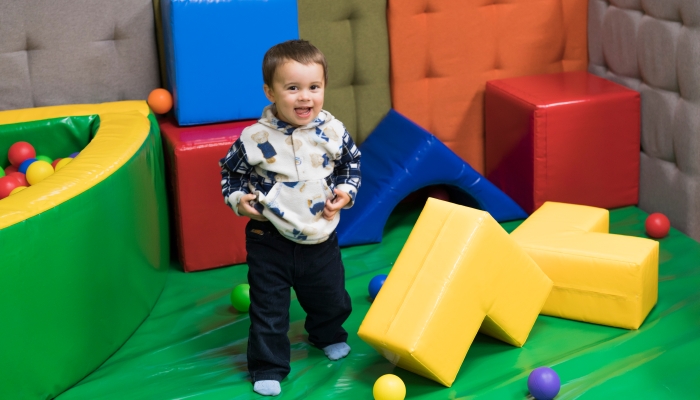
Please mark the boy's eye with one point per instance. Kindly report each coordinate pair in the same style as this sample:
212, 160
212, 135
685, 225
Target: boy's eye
292, 88
314, 87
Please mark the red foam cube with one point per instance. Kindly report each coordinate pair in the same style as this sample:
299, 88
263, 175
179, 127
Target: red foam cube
208, 232
570, 137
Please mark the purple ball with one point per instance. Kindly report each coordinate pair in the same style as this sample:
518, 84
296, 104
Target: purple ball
73, 155
543, 383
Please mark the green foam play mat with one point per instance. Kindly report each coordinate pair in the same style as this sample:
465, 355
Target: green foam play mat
193, 344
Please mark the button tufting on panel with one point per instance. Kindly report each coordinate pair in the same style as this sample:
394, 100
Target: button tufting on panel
27, 43
428, 9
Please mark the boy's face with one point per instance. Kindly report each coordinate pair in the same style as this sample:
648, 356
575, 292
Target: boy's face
297, 91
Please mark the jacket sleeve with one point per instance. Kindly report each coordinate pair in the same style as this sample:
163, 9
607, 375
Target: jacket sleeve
347, 169
235, 175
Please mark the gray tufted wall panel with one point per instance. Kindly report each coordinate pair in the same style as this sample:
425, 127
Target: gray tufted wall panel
76, 51
653, 46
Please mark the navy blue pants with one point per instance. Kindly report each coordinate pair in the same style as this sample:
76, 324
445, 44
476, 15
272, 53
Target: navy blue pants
316, 273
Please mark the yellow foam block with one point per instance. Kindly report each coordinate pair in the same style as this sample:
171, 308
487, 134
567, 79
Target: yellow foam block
459, 272
598, 277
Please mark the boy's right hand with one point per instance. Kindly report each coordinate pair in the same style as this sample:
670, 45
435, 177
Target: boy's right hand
245, 208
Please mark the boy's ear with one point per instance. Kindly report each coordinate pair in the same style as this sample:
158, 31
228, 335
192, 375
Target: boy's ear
269, 93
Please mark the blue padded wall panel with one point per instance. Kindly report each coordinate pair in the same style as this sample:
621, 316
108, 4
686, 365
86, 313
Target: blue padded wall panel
400, 157
214, 52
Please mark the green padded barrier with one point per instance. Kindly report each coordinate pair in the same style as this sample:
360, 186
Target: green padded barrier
353, 36
193, 345
78, 279
57, 137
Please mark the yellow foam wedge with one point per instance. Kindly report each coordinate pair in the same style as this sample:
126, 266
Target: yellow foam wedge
598, 277
459, 272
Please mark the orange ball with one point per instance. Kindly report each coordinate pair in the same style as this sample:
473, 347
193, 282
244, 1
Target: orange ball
160, 100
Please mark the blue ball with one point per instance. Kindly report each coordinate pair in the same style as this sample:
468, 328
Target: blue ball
73, 155
543, 383
25, 164
375, 284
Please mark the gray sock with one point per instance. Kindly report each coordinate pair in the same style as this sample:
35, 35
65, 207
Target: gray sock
267, 388
336, 351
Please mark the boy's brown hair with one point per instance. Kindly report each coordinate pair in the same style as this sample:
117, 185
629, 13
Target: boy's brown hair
297, 50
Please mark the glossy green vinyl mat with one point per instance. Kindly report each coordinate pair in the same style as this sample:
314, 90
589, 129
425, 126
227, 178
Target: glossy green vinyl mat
193, 345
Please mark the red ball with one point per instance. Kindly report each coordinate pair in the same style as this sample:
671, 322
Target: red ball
53, 164
20, 177
19, 152
160, 101
10, 169
657, 225
7, 184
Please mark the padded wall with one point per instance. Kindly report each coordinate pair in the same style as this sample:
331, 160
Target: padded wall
214, 52
67, 52
444, 51
653, 46
353, 36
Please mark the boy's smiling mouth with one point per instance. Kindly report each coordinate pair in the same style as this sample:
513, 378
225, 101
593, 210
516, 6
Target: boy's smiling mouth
302, 111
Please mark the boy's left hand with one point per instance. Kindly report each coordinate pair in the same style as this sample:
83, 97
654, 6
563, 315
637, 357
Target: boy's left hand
334, 205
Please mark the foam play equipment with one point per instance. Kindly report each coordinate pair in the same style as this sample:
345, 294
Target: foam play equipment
194, 323
400, 158
569, 137
209, 234
598, 277
85, 251
213, 74
353, 36
442, 54
648, 47
458, 273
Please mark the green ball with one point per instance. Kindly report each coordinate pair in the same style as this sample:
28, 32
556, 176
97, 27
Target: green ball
2, 172
240, 297
45, 158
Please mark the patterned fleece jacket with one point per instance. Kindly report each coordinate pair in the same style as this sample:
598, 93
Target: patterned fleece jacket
292, 171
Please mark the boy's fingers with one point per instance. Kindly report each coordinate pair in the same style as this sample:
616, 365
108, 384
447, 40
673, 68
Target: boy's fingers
332, 206
248, 197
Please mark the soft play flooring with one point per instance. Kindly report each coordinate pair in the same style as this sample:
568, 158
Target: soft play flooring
193, 344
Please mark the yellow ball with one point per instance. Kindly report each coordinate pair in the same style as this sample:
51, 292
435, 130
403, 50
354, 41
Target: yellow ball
389, 387
17, 189
38, 171
63, 163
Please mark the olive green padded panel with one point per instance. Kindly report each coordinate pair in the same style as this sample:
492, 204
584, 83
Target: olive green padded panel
353, 36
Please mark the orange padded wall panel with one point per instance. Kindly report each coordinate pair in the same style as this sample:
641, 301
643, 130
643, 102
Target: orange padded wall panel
444, 51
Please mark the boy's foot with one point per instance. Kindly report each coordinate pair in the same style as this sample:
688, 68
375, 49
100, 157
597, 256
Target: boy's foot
336, 351
267, 388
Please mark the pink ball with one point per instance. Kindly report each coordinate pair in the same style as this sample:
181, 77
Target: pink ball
19, 152
657, 225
